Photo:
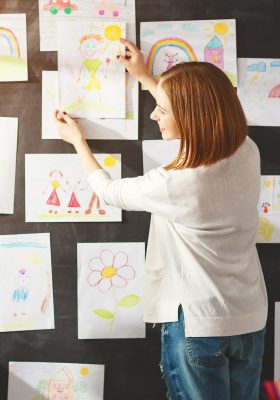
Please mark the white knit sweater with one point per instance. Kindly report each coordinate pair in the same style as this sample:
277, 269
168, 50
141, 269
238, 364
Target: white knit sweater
201, 249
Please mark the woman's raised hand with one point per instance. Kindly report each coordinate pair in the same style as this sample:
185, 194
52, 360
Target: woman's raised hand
133, 61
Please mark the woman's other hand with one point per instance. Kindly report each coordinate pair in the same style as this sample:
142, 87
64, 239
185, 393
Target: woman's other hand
68, 128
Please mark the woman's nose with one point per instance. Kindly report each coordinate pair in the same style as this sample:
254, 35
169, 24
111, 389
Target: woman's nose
154, 116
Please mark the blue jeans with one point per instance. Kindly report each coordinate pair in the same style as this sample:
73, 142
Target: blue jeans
210, 368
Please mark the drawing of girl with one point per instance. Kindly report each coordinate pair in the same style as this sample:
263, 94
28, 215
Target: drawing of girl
53, 200
91, 49
21, 292
73, 202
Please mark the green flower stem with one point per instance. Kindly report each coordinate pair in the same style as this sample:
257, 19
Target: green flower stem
116, 308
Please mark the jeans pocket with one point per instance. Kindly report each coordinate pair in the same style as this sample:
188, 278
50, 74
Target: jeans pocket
207, 351
258, 345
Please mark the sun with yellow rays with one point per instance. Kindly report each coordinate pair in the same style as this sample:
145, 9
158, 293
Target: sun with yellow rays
112, 33
221, 29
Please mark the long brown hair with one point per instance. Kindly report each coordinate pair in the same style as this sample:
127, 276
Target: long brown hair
210, 119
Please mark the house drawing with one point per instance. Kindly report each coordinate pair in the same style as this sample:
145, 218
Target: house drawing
214, 52
61, 385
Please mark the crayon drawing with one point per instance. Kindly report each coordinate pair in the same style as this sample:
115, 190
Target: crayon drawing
91, 79
60, 6
110, 128
109, 9
55, 381
269, 210
13, 48
26, 298
110, 290
166, 44
49, 104
56, 189
259, 90
8, 150
157, 153
52, 13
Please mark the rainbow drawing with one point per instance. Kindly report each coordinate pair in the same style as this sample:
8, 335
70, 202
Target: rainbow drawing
169, 41
11, 38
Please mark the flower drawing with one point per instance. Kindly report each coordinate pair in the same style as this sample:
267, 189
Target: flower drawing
109, 270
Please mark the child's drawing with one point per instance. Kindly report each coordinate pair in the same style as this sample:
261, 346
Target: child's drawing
13, 48
57, 189
53, 202
92, 48
26, 300
55, 381
50, 103
8, 150
108, 9
110, 279
166, 44
53, 12
91, 79
55, 6
269, 210
259, 90
108, 128
21, 292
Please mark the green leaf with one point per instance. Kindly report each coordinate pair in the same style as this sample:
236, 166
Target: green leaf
129, 301
104, 313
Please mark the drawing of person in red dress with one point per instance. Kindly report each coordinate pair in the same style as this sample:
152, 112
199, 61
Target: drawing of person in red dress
53, 200
74, 204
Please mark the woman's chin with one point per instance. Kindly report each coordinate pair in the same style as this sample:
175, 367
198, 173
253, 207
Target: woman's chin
164, 135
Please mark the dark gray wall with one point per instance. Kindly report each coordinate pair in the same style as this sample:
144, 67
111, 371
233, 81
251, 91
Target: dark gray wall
132, 371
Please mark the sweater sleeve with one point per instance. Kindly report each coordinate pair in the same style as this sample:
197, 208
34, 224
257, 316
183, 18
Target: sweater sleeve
143, 193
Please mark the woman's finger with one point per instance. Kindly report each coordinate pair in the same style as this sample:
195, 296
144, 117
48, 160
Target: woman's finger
68, 119
131, 46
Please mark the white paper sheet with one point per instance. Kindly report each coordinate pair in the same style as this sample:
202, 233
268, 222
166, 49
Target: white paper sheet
170, 42
56, 189
277, 342
26, 294
111, 128
110, 290
158, 152
91, 79
8, 151
51, 14
269, 210
13, 48
259, 90
50, 103
55, 381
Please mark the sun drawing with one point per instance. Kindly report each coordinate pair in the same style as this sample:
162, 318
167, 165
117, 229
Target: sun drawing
221, 29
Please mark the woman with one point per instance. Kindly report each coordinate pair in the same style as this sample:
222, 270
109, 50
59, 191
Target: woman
203, 279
